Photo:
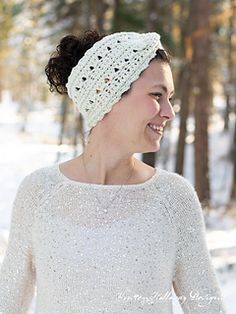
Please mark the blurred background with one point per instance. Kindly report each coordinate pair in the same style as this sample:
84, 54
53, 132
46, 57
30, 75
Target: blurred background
39, 128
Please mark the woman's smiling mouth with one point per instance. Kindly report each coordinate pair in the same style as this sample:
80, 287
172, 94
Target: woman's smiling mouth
155, 128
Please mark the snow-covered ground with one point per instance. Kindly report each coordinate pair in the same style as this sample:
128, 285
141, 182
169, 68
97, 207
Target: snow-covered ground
21, 154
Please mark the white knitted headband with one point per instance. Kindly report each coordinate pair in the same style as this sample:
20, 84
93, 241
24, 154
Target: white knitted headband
108, 69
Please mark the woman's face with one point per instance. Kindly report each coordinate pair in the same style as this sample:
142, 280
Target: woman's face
147, 101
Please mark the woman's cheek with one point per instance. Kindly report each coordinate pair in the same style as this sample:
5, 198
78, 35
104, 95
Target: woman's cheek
153, 108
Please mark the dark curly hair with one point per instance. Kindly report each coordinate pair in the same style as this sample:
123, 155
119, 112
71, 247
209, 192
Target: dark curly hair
68, 53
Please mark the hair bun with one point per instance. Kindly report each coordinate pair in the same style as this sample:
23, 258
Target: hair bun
68, 53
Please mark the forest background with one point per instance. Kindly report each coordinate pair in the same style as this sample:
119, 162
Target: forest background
39, 127
200, 35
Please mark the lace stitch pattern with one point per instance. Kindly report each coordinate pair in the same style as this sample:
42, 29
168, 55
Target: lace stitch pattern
108, 69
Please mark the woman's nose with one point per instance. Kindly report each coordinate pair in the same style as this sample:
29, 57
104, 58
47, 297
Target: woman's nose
167, 110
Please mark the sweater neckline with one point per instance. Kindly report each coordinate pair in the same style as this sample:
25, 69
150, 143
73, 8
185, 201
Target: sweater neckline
107, 186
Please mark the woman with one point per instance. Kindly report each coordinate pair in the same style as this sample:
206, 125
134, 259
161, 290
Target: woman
104, 232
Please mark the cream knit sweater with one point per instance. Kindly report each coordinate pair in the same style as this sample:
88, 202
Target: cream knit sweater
82, 259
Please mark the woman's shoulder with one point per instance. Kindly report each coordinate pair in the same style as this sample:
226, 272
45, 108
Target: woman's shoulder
48, 171
176, 188
39, 180
181, 195
174, 180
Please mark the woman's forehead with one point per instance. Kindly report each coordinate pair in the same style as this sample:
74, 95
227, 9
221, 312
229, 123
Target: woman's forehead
157, 68
158, 73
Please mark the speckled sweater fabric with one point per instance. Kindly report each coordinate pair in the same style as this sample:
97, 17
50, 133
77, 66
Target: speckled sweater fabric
78, 258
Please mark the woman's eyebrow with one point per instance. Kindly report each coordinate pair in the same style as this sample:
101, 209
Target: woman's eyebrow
163, 87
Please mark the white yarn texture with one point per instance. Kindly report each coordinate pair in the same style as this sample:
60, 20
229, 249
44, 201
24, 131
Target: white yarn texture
81, 259
108, 69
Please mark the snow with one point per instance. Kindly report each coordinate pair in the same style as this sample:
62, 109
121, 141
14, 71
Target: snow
23, 153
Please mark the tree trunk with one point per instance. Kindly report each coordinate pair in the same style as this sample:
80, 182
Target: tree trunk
231, 68
184, 89
201, 10
152, 15
184, 112
100, 10
116, 22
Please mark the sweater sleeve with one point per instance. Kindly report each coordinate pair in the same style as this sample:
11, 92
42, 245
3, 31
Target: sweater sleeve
194, 281
17, 275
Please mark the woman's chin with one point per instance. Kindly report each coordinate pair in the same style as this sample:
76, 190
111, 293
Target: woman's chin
152, 142
152, 146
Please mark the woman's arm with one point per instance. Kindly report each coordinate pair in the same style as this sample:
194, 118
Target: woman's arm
195, 282
17, 275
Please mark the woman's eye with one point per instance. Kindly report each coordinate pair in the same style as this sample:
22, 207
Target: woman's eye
157, 94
